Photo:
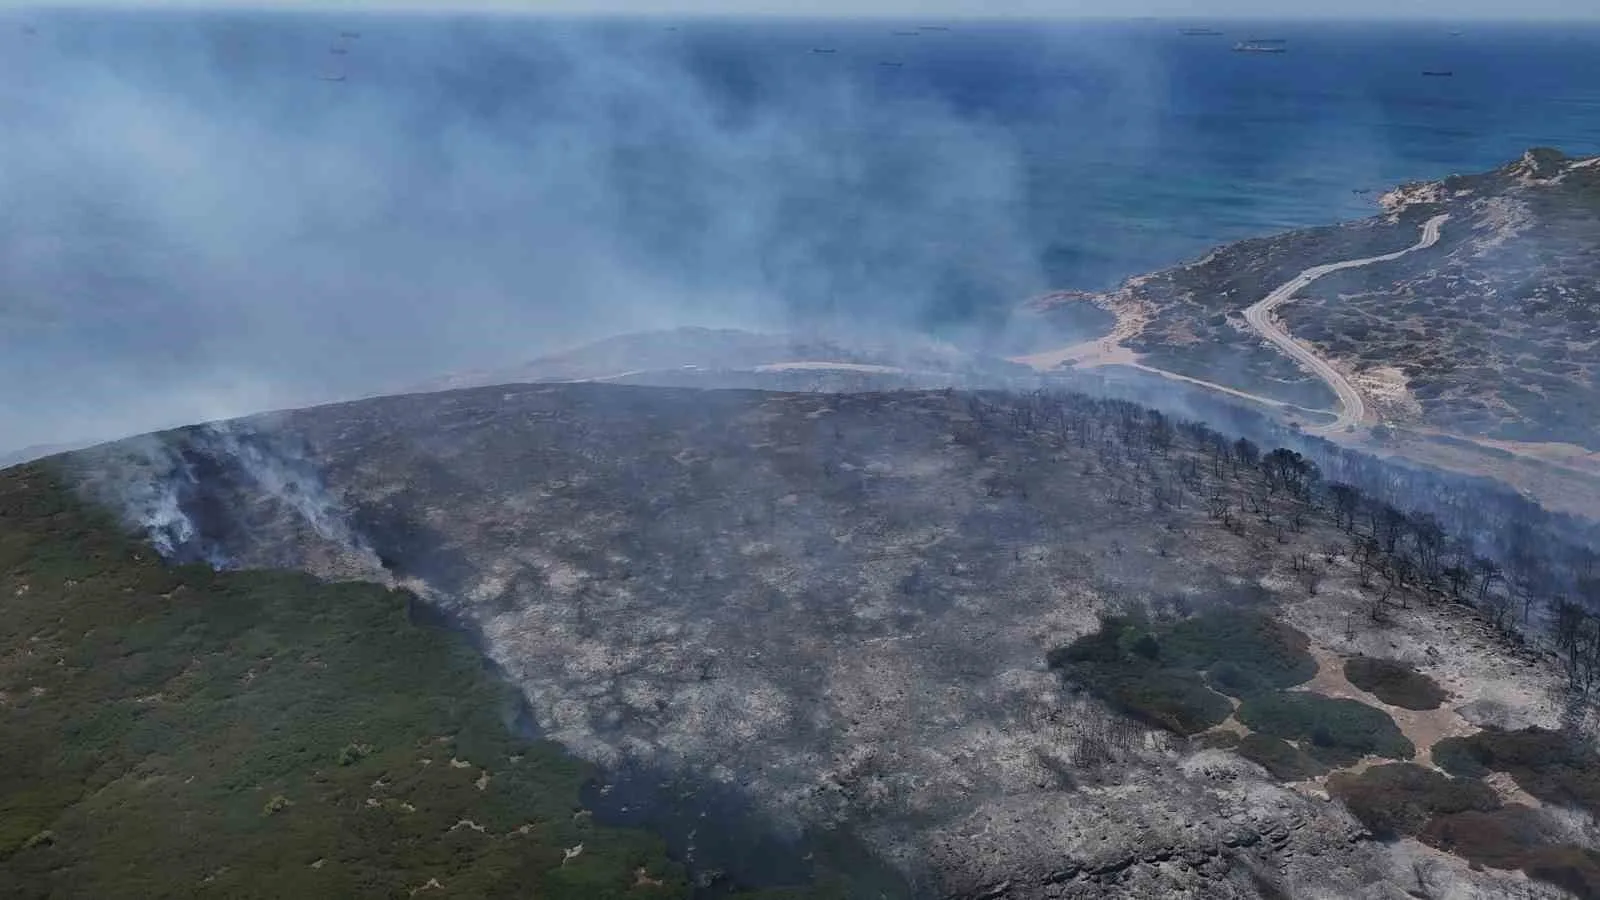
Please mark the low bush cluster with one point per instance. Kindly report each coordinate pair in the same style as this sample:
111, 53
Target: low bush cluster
1464, 816
1334, 730
1398, 799
1550, 765
1516, 838
1284, 760
1174, 675
1394, 682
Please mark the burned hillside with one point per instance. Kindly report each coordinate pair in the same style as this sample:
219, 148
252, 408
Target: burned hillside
842, 609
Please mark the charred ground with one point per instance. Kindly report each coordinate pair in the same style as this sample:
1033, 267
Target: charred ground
841, 610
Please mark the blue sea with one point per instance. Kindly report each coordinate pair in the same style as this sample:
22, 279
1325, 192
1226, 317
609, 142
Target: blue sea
298, 206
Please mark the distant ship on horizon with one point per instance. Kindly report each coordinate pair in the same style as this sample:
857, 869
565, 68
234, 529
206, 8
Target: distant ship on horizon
1261, 45
1199, 32
1438, 73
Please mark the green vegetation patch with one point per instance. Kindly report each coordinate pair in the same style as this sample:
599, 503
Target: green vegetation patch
1335, 731
1394, 682
1549, 765
1398, 799
1174, 700
1284, 760
1173, 675
1243, 651
1120, 663
170, 731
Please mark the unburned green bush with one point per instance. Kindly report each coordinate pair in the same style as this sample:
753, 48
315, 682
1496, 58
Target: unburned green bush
188, 728
1252, 651
1336, 731
1218, 740
1121, 664
1394, 682
1175, 700
1169, 675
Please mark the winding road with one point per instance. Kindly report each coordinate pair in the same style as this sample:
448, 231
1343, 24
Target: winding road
1352, 408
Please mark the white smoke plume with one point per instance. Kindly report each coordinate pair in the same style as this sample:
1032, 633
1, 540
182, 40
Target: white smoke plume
231, 233
188, 515
150, 496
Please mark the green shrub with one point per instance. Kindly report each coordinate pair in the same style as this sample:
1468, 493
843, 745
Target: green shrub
1120, 663
1516, 838
1235, 680
1394, 682
1335, 731
1160, 674
1575, 869
1460, 756
1175, 700
1284, 760
1398, 799
1256, 651
1218, 740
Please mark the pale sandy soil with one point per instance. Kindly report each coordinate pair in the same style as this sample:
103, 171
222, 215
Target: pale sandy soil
1423, 727
1559, 486
1088, 354
1387, 390
1106, 350
825, 365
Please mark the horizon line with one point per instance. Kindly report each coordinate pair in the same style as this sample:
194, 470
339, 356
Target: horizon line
518, 8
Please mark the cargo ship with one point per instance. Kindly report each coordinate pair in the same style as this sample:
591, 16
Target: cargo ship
1266, 45
1439, 73
1199, 32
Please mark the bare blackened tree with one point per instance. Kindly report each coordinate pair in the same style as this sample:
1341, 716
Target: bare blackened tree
1488, 572
1427, 539
1346, 500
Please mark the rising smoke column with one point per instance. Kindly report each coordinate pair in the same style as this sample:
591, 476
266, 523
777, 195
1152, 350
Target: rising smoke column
185, 491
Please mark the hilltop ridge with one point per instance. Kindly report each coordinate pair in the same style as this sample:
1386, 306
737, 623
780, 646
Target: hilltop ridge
841, 609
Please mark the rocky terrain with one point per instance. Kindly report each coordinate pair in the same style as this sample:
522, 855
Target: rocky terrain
1475, 353
1491, 332
1494, 332
811, 634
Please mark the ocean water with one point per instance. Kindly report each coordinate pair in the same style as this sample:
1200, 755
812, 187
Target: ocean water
1143, 145
205, 213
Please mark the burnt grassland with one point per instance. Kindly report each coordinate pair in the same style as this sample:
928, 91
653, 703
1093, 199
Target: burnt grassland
621, 546
174, 731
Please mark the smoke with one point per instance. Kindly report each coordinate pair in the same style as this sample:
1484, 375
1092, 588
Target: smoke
198, 225
282, 472
192, 493
152, 492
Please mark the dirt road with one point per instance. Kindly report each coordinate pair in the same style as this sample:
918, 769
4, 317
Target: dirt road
1352, 409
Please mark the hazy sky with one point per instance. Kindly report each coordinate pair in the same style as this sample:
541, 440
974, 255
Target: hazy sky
1217, 9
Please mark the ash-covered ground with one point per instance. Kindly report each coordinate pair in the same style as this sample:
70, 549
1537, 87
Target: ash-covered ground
836, 609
